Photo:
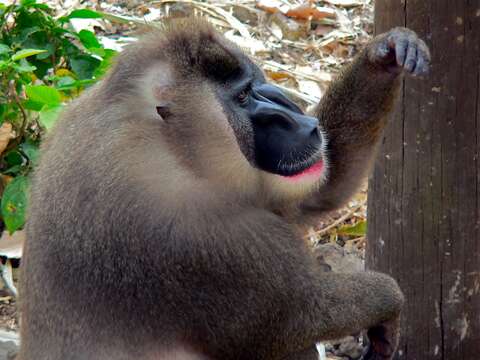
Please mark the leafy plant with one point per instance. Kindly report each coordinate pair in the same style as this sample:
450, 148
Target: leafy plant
44, 63
358, 229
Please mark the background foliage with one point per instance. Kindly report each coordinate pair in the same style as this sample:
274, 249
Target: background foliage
44, 63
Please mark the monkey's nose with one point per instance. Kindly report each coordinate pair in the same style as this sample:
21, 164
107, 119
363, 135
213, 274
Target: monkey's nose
270, 107
274, 94
307, 125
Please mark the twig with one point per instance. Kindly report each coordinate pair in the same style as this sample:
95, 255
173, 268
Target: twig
22, 110
208, 8
309, 99
5, 16
336, 222
123, 19
7, 277
357, 239
296, 74
19, 137
321, 351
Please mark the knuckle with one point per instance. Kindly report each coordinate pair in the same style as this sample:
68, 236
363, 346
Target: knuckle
397, 297
390, 291
410, 63
403, 31
400, 29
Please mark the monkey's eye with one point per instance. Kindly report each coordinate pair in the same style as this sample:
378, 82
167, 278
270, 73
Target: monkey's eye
243, 97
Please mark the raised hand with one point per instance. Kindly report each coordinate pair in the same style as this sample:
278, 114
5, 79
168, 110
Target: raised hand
399, 50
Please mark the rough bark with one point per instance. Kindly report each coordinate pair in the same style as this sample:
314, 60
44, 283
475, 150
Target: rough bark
424, 221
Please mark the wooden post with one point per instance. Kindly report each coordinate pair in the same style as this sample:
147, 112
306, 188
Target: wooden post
424, 196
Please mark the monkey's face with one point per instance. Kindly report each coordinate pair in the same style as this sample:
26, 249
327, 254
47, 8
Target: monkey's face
285, 141
233, 123
274, 135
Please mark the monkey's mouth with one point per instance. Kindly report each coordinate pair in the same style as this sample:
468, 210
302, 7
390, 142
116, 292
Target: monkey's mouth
311, 169
313, 172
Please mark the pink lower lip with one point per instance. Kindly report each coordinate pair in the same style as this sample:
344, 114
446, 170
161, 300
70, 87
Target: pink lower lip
313, 171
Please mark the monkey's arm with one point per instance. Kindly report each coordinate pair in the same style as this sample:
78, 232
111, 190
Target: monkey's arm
353, 112
262, 285
339, 304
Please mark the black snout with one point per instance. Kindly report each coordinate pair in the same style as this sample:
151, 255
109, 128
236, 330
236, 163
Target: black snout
284, 136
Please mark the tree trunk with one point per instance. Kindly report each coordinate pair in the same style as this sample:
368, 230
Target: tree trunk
423, 211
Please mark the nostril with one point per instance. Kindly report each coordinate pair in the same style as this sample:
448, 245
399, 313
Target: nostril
309, 124
315, 134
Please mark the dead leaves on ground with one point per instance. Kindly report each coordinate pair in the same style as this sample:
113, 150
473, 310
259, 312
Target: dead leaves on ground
281, 35
6, 134
305, 11
346, 227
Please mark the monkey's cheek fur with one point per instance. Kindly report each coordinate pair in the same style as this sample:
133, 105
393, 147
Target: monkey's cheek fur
312, 173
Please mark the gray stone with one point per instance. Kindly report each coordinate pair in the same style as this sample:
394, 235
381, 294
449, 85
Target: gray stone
350, 347
8, 349
335, 258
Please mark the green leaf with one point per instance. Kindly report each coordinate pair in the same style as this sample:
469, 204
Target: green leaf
26, 53
26, 33
42, 67
4, 65
43, 94
36, 38
43, 7
84, 14
4, 49
100, 52
106, 62
32, 105
49, 115
3, 110
14, 157
27, 2
65, 81
14, 203
30, 149
88, 39
49, 51
25, 79
84, 66
359, 229
76, 84
24, 66
14, 170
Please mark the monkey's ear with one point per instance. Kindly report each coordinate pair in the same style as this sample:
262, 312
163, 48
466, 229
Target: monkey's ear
163, 96
161, 84
163, 111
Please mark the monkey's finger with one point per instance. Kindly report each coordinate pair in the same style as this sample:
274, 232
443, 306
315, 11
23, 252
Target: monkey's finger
424, 50
400, 44
422, 67
423, 61
383, 51
368, 353
411, 59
